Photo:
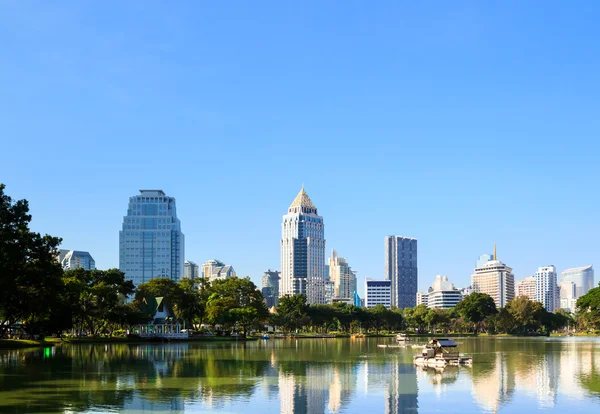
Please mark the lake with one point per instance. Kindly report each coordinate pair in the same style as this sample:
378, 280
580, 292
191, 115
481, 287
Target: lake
509, 375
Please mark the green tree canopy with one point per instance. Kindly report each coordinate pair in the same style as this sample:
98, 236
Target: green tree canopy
476, 307
30, 275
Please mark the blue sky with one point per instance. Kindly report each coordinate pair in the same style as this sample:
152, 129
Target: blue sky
459, 123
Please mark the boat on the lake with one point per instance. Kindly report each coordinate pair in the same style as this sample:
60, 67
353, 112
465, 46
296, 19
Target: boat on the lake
402, 337
390, 346
266, 336
441, 352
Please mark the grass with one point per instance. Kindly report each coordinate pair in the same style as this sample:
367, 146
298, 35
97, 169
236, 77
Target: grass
24, 343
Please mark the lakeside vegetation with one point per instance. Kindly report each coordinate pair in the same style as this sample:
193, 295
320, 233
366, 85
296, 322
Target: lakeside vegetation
39, 299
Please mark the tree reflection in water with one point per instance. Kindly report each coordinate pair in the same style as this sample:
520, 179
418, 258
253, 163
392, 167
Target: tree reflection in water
292, 376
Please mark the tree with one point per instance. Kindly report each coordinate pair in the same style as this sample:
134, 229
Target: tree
30, 275
292, 311
379, 317
190, 307
476, 307
160, 287
588, 309
236, 301
97, 297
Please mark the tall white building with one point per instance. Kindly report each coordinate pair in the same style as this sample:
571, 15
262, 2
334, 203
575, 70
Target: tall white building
527, 287
342, 276
495, 279
151, 244
400, 267
443, 294
215, 269
582, 277
74, 259
378, 292
422, 298
546, 287
191, 270
303, 251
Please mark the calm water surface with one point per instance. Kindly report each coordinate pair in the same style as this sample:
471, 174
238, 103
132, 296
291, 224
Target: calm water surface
509, 375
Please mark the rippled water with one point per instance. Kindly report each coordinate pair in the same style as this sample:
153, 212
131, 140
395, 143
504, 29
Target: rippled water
302, 376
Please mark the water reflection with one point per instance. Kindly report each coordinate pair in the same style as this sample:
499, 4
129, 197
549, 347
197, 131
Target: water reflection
297, 377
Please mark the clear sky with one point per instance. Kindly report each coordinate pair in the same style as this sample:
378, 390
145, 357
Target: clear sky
458, 123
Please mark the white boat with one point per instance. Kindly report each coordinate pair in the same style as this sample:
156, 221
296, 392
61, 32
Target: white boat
441, 352
401, 337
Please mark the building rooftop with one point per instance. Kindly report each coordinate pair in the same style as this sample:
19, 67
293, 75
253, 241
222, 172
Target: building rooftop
302, 200
577, 269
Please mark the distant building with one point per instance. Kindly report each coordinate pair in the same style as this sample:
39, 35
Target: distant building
329, 292
303, 251
151, 244
342, 276
546, 287
422, 298
270, 287
568, 295
60, 255
466, 291
483, 259
74, 259
443, 294
214, 269
191, 270
582, 277
357, 299
347, 301
378, 292
400, 267
495, 279
527, 287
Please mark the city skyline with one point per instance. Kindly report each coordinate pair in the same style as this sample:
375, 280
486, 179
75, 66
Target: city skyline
414, 128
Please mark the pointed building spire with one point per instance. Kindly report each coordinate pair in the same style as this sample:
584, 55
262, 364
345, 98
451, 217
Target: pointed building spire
495, 255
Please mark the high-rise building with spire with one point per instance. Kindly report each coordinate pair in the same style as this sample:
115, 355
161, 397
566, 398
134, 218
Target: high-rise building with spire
496, 279
303, 251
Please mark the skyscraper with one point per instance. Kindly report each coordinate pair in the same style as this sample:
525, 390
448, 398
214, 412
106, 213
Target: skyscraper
378, 292
191, 270
342, 276
443, 294
303, 251
546, 287
75, 259
151, 244
495, 279
400, 267
582, 277
270, 287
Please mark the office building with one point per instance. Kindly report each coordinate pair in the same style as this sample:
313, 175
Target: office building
483, 259
378, 292
329, 289
422, 298
582, 277
303, 251
443, 294
342, 276
215, 269
151, 244
400, 267
191, 270
270, 287
567, 295
60, 255
74, 259
527, 287
495, 279
546, 287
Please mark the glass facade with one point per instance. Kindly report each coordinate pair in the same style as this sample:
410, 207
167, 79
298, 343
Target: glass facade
74, 259
582, 277
151, 244
400, 267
